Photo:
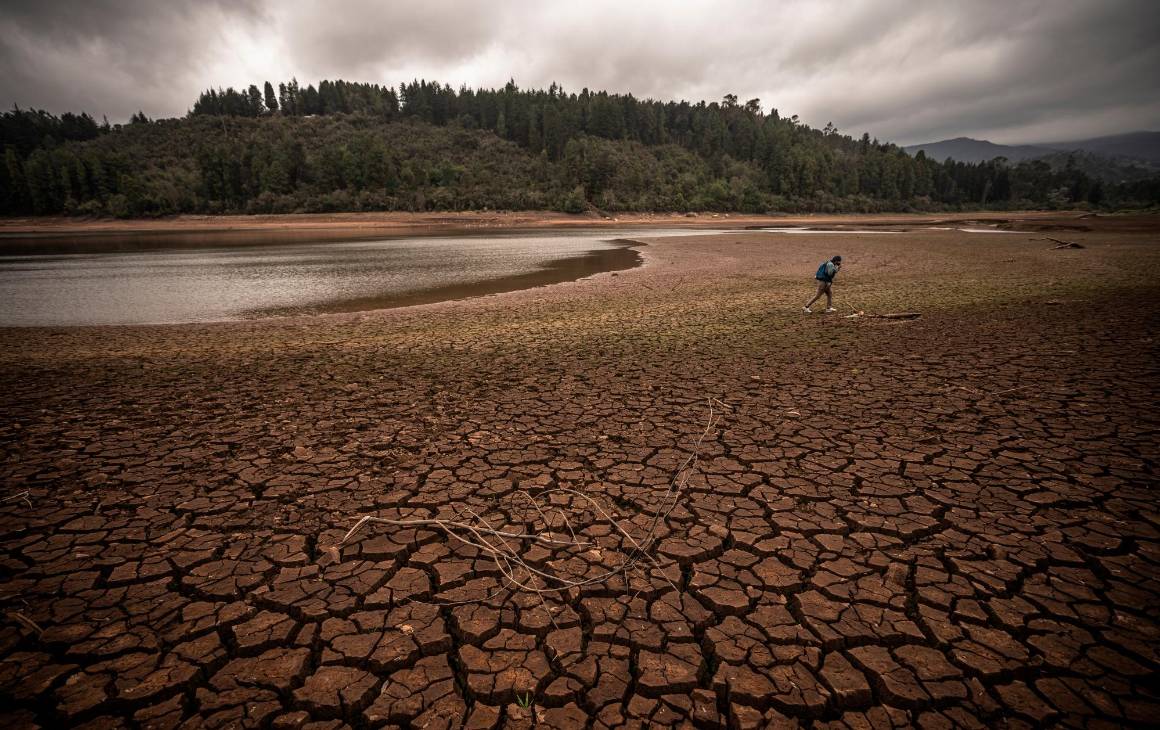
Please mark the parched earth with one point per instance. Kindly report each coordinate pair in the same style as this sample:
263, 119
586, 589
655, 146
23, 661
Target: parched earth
941, 522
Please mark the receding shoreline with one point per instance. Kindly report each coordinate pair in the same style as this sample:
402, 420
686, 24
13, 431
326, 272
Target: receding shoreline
32, 235
55, 236
598, 261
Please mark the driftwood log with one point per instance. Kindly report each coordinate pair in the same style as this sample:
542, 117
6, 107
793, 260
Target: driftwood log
1062, 244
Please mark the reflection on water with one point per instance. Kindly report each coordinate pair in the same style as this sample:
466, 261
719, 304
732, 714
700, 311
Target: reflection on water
184, 285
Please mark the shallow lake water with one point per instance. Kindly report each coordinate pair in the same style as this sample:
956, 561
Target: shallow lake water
800, 230
153, 284
823, 231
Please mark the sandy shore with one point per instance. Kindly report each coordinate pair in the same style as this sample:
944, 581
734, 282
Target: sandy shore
947, 520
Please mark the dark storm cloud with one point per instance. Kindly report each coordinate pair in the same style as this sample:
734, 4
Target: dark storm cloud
1040, 74
1012, 70
112, 56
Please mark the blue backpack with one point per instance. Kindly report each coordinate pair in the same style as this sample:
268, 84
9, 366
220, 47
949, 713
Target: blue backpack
822, 273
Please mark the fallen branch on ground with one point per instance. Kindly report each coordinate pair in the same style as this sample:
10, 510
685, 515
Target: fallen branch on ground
888, 315
29, 623
497, 544
872, 315
19, 495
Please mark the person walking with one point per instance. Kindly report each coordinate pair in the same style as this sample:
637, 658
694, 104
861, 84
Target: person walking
825, 278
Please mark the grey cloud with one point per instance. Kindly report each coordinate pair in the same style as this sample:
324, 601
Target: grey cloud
1013, 70
364, 35
1045, 75
111, 56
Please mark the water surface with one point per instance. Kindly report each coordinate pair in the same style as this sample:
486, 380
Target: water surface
153, 284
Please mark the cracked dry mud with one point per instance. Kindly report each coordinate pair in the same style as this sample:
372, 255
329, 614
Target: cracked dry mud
945, 522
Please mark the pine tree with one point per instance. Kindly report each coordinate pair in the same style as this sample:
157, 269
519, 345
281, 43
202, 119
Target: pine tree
294, 98
284, 99
271, 100
553, 132
16, 187
253, 101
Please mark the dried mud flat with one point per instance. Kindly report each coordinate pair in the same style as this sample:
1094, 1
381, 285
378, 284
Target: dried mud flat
941, 522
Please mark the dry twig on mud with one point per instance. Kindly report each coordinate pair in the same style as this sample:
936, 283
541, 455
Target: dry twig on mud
888, 315
872, 315
503, 546
19, 495
27, 622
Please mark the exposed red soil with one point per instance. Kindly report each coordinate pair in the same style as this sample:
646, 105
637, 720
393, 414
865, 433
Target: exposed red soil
947, 521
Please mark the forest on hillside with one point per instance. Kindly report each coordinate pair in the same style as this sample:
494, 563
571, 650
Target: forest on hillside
345, 146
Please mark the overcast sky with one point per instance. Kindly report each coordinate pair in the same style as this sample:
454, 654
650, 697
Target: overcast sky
1006, 70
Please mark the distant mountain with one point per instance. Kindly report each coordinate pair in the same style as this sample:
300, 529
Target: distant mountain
1142, 148
1107, 168
965, 149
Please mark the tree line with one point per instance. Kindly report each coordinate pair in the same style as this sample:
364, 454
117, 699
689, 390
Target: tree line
425, 146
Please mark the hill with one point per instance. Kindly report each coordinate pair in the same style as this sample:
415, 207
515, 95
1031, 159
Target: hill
345, 146
1118, 158
1101, 167
965, 149
1133, 146
1138, 148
